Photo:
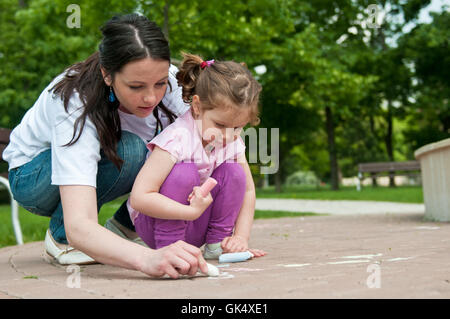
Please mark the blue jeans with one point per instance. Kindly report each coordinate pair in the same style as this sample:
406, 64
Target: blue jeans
31, 183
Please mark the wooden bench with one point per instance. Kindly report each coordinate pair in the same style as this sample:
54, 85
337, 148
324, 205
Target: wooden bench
390, 169
4, 140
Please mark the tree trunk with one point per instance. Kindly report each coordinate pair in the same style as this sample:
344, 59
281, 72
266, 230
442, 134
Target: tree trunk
23, 4
446, 124
373, 132
372, 124
389, 143
388, 138
374, 180
332, 149
277, 178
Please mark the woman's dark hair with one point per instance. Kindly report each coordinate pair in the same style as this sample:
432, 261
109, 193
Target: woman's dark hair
126, 38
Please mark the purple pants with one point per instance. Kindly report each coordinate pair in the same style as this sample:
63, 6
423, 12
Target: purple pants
216, 222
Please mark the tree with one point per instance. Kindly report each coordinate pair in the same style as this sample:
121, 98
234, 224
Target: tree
427, 51
328, 88
373, 55
37, 43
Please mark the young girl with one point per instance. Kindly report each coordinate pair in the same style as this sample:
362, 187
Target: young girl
166, 204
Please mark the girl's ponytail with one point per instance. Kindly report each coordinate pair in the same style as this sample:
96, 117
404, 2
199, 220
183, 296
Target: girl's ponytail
188, 74
219, 84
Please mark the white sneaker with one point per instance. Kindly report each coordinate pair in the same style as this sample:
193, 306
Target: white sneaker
212, 251
65, 254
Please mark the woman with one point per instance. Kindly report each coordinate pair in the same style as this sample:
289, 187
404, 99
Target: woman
83, 143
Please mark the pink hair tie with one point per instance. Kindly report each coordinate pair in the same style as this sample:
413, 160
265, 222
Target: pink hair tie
204, 64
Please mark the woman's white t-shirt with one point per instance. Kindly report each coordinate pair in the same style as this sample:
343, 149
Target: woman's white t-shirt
47, 125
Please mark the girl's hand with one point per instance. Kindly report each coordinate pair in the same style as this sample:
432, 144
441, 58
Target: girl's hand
257, 252
199, 203
234, 244
238, 243
177, 259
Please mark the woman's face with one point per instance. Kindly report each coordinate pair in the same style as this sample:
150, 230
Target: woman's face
140, 85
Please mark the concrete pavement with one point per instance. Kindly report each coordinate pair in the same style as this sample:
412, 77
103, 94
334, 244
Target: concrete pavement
387, 255
338, 207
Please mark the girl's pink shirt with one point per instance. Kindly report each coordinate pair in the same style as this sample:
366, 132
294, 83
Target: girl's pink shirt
182, 139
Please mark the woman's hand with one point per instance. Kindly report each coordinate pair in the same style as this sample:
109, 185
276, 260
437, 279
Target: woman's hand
198, 203
177, 259
238, 243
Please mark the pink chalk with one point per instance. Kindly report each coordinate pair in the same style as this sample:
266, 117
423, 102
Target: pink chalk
207, 186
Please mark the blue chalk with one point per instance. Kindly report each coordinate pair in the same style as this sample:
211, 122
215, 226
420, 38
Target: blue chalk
235, 257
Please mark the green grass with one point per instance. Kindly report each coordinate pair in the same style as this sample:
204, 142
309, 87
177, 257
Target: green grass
34, 227
403, 194
265, 214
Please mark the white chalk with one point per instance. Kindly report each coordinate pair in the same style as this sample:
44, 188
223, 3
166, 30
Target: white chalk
213, 271
235, 257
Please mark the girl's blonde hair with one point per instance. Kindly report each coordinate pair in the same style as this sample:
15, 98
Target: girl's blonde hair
219, 82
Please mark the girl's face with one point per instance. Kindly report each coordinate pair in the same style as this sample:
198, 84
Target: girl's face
219, 126
140, 85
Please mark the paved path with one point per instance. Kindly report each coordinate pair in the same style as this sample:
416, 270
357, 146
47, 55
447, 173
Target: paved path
394, 255
338, 207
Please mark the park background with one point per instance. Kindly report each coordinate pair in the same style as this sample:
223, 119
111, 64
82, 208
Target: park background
345, 84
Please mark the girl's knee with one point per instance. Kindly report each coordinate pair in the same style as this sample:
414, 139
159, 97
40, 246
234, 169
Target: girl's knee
180, 182
233, 172
184, 175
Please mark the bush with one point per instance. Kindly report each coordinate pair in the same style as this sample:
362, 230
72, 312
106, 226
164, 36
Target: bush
302, 178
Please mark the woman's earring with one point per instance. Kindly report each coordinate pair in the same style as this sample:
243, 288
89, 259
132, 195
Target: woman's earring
111, 97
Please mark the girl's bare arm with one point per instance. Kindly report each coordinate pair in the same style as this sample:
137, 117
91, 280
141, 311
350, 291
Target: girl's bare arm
145, 196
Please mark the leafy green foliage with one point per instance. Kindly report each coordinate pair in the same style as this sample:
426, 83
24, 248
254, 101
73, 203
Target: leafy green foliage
385, 100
